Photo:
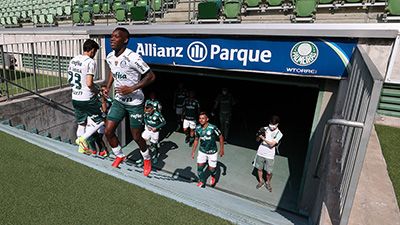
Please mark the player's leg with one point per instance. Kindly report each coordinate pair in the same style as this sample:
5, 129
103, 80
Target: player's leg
81, 118
192, 126
270, 164
154, 145
136, 116
201, 164
115, 115
178, 118
100, 143
212, 166
259, 165
186, 130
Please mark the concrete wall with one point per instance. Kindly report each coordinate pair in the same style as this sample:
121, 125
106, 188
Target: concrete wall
35, 112
379, 50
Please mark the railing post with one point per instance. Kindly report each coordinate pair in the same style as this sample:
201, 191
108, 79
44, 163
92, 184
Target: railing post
4, 70
34, 66
59, 62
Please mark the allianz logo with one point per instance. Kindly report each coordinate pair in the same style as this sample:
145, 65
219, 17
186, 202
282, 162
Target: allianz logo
197, 52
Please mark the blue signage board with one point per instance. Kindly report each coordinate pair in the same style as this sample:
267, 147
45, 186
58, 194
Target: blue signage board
305, 57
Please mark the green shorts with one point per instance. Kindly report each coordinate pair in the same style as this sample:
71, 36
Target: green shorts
264, 163
118, 111
85, 109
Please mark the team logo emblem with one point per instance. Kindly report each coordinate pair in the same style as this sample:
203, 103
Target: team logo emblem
154, 118
116, 63
123, 64
208, 133
304, 53
197, 51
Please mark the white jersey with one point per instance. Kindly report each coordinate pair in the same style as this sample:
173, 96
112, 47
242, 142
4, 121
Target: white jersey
127, 70
264, 150
79, 68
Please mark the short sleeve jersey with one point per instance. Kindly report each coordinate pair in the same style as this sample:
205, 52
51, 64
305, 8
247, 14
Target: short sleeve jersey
155, 120
156, 104
225, 103
127, 70
180, 96
191, 108
79, 68
266, 151
208, 137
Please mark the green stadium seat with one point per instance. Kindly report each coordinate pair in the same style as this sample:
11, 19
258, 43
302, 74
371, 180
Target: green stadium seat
42, 19
275, 2
76, 17
59, 11
3, 21
252, 3
129, 5
67, 10
117, 5
208, 11
105, 8
87, 17
96, 8
392, 11
304, 11
156, 5
139, 13
232, 9
120, 15
50, 19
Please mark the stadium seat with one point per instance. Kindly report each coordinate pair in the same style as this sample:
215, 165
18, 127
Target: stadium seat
232, 10
304, 11
129, 4
139, 14
392, 11
87, 18
252, 5
120, 15
156, 6
117, 5
207, 11
76, 17
105, 8
96, 8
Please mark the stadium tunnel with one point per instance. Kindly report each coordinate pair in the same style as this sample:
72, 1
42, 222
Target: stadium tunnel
297, 77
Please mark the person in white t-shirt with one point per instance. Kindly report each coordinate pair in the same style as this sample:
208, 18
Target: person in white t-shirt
269, 136
129, 74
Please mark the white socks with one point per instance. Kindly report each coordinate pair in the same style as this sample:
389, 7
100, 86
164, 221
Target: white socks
146, 154
80, 131
91, 128
118, 152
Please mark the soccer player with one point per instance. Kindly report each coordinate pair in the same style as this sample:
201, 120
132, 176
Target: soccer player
154, 121
191, 109
208, 151
224, 103
269, 136
179, 97
129, 74
81, 70
153, 101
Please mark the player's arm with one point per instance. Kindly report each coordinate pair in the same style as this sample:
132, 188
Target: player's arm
195, 143
110, 81
221, 145
162, 122
90, 84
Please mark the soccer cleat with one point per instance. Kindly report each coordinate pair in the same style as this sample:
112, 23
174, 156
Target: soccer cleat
201, 184
268, 186
103, 153
117, 161
93, 152
146, 167
139, 162
259, 185
83, 146
212, 181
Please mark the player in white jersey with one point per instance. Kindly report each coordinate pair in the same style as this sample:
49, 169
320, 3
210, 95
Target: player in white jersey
130, 74
81, 70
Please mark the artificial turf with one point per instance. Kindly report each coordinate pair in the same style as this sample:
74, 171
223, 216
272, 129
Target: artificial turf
389, 138
40, 187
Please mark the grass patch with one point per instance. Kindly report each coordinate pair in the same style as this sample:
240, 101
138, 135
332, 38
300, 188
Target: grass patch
40, 187
27, 80
390, 142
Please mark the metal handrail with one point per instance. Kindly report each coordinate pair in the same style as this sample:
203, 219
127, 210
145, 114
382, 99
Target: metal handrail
326, 134
39, 95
